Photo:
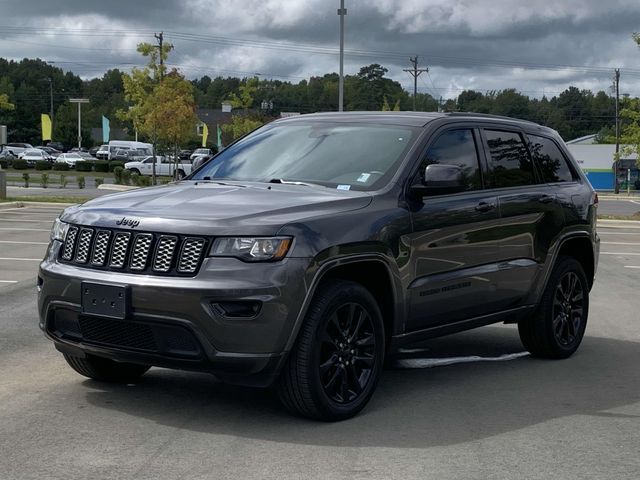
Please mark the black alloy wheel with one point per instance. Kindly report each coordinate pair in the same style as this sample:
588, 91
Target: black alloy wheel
556, 328
347, 350
334, 367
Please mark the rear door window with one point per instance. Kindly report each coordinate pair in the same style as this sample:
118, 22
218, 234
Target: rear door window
550, 160
510, 162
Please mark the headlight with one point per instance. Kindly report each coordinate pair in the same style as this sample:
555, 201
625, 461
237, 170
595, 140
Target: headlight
59, 230
252, 249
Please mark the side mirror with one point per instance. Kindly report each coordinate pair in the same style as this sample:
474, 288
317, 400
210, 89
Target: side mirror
440, 179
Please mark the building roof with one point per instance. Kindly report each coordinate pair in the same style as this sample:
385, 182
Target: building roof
586, 140
212, 116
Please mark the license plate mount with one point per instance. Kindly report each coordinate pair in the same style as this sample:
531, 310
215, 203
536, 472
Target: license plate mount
111, 301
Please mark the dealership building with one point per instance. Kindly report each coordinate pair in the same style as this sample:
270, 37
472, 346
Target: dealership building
596, 161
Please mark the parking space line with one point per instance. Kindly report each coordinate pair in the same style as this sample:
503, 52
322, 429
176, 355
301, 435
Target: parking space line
619, 243
25, 229
23, 243
632, 266
618, 253
12, 259
26, 221
8, 281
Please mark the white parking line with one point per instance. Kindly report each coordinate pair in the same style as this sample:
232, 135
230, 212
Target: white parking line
12, 259
632, 266
631, 227
618, 253
26, 229
11, 220
439, 362
24, 243
619, 243
8, 281
616, 233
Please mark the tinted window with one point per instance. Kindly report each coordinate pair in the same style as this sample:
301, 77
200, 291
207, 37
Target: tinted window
456, 147
511, 164
550, 160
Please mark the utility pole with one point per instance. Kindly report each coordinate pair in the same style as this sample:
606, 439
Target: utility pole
415, 73
342, 12
79, 101
160, 38
51, 102
616, 186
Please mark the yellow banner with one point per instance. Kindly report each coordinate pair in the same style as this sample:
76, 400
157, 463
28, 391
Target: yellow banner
46, 127
205, 134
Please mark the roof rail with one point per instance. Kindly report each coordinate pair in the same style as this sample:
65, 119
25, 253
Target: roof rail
487, 115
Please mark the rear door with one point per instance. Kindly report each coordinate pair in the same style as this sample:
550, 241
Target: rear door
453, 245
530, 215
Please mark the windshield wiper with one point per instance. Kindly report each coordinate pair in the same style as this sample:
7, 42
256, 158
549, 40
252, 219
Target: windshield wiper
218, 182
291, 182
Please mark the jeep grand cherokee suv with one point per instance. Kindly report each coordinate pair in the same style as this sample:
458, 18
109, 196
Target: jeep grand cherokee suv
308, 251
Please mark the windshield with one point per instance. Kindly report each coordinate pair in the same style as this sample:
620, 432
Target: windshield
337, 155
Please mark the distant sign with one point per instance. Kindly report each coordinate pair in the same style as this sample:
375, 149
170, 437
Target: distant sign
289, 114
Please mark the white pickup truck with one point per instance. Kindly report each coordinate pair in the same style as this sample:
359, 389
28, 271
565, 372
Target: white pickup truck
164, 166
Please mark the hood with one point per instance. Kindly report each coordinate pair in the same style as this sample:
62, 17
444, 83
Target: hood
208, 208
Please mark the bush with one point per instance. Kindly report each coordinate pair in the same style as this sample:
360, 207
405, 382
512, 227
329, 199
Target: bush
144, 181
25, 177
43, 165
4, 164
115, 164
98, 181
117, 175
126, 176
19, 164
60, 166
44, 180
101, 166
80, 180
135, 178
63, 180
83, 166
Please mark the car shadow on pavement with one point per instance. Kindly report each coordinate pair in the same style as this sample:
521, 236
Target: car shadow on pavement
411, 407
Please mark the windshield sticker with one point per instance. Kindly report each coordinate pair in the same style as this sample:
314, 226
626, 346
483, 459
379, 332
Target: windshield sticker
344, 187
363, 177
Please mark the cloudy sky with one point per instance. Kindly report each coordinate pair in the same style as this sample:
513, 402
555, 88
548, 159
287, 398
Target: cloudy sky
538, 47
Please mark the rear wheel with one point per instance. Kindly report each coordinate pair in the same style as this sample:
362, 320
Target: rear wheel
334, 367
135, 170
179, 175
106, 370
557, 327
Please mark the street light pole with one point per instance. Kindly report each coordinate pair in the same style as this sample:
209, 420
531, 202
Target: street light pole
342, 12
79, 101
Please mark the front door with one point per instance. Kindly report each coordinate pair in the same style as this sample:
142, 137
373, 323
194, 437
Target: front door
453, 243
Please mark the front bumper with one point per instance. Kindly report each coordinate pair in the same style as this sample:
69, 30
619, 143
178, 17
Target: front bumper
176, 322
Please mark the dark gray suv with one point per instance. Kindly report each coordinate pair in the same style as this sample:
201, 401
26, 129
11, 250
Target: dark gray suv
308, 251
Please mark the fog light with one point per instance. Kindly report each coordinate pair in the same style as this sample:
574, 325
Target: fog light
240, 309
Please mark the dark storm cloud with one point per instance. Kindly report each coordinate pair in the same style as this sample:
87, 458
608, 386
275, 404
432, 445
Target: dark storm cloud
467, 44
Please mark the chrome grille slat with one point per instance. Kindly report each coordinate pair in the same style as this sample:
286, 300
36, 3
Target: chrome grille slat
84, 245
164, 253
140, 251
190, 254
119, 249
100, 248
134, 252
70, 243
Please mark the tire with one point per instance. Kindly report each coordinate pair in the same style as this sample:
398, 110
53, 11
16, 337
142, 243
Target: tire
334, 367
135, 170
180, 175
557, 327
106, 370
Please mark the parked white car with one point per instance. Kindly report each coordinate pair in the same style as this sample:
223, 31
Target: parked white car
33, 155
70, 158
201, 152
164, 166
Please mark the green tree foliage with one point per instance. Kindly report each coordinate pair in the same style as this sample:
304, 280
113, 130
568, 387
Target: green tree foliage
240, 125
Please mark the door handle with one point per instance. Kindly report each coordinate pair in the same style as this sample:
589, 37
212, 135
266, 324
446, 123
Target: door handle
485, 207
545, 199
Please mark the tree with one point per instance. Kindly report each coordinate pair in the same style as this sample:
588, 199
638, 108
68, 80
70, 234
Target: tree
5, 104
240, 125
246, 94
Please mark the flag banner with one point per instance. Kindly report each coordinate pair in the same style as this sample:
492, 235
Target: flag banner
219, 142
105, 129
205, 134
46, 127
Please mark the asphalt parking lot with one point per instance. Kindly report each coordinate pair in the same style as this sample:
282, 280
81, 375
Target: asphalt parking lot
469, 406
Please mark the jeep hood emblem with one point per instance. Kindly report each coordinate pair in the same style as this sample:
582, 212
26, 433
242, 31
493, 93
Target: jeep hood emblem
128, 222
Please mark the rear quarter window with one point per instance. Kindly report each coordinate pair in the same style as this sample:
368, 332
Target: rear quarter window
510, 162
551, 162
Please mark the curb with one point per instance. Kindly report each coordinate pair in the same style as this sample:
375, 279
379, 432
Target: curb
116, 188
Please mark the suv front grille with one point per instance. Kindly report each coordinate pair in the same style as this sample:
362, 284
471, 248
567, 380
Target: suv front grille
118, 250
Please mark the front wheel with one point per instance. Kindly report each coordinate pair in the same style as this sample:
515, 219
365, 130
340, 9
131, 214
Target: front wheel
106, 370
334, 367
179, 175
556, 329
135, 171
